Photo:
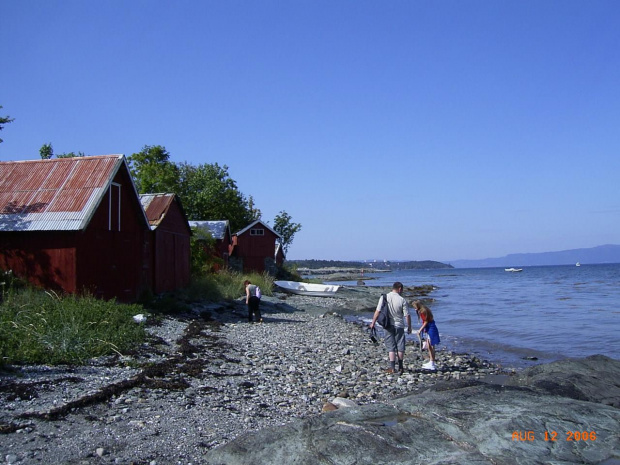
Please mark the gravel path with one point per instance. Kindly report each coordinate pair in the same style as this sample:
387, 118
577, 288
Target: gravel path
202, 380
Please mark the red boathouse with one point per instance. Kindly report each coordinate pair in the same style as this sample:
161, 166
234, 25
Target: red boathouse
254, 248
75, 224
170, 241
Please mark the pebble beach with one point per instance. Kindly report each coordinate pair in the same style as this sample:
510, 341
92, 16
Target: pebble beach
204, 379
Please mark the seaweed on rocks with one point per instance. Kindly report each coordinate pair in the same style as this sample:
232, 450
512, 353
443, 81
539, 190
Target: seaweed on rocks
6, 428
204, 379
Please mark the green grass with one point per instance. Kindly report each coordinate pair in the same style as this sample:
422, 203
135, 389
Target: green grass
41, 327
225, 285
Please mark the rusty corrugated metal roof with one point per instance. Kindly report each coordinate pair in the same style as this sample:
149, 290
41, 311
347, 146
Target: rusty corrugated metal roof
56, 194
156, 206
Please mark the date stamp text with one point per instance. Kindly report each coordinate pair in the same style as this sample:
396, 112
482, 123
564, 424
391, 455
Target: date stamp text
551, 436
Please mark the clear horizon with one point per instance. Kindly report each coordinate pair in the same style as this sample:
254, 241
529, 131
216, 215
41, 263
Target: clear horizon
451, 129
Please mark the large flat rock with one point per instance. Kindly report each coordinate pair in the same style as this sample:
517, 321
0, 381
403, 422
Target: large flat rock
503, 421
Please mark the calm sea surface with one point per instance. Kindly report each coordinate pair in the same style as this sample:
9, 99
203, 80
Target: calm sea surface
546, 312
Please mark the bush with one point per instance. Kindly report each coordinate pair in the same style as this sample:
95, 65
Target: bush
9, 284
41, 327
288, 272
225, 285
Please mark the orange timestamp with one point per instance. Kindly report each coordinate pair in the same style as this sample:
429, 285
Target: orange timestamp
571, 436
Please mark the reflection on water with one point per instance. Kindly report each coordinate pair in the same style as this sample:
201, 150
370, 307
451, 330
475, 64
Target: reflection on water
546, 313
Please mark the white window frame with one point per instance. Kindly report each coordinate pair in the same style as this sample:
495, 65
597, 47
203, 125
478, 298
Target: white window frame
117, 185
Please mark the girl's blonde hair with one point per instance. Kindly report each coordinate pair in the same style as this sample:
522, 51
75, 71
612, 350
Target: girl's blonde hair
420, 308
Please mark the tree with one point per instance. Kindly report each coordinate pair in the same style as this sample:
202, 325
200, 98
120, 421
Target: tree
46, 151
152, 170
283, 225
255, 213
4, 120
208, 192
204, 255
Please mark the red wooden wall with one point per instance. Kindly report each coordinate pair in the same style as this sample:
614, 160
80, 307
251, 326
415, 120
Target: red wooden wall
110, 263
255, 249
172, 253
107, 263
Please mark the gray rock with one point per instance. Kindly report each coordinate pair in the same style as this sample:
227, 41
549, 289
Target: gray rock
343, 403
582, 382
465, 422
205, 381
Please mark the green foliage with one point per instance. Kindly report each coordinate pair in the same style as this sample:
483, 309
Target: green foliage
208, 192
285, 227
204, 255
225, 285
153, 172
46, 151
202, 287
9, 282
255, 213
41, 327
288, 272
4, 120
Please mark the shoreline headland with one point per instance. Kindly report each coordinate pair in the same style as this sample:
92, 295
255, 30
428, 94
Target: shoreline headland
360, 273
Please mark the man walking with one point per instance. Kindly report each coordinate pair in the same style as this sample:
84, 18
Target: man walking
395, 334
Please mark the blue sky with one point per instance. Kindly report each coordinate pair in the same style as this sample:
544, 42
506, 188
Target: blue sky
392, 130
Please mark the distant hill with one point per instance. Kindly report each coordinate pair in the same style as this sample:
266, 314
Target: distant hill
379, 265
601, 254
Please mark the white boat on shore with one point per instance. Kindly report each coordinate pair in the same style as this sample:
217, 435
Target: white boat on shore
317, 290
513, 270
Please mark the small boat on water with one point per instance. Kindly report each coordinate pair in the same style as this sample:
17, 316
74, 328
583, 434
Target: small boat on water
577, 264
513, 270
317, 290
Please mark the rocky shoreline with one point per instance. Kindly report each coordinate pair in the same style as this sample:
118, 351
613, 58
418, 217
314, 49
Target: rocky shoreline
207, 378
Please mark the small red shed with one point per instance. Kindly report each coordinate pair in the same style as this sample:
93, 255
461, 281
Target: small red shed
254, 248
75, 224
170, 241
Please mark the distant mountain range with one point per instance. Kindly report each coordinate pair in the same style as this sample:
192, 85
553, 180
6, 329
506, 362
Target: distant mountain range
601, 254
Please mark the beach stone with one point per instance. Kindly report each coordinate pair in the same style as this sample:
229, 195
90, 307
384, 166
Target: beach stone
329, 407
464, 422
235, 383
340, 402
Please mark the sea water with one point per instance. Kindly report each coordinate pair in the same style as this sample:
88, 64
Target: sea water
540, 314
